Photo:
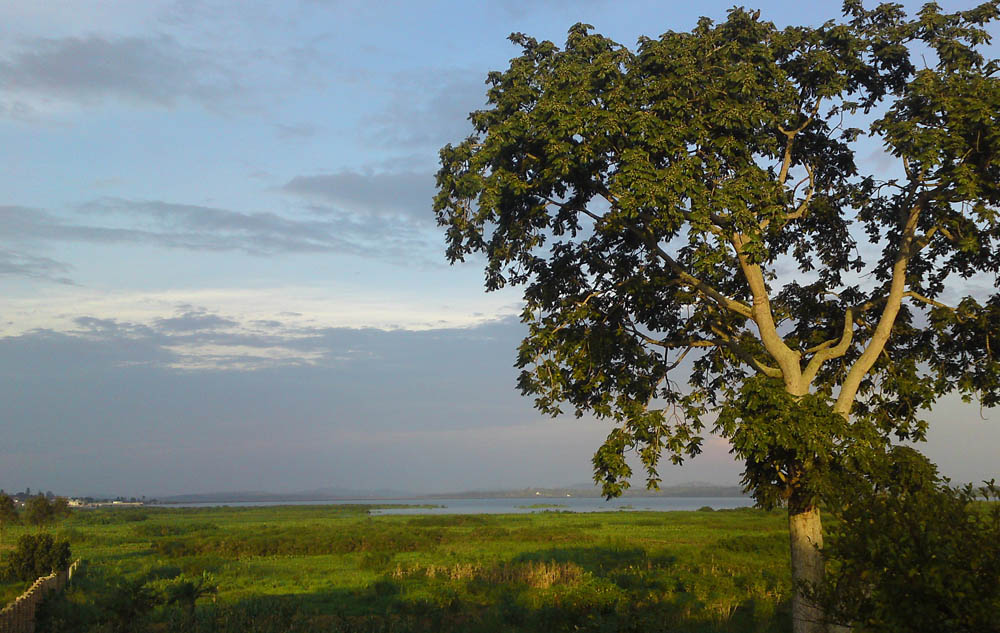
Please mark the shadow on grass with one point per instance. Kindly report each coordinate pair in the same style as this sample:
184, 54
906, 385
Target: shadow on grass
603, 561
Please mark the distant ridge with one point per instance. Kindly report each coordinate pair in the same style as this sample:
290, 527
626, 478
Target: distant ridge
256, 496
696, 489
589, 491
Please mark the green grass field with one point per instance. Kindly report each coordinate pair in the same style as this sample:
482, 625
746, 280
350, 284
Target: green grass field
335, 568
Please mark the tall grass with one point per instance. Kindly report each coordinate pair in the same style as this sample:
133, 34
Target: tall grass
335, 568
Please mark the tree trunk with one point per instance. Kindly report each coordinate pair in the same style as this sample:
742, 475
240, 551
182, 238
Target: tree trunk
806, 536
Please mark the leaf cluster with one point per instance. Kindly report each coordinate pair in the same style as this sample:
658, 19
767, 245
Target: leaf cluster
796, 450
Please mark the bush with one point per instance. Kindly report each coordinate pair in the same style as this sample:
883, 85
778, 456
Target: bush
37, 555
914, 554
127, 603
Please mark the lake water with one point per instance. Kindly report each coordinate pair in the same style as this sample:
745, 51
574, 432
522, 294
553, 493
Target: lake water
516, 505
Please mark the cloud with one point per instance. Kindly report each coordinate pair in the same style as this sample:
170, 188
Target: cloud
404, 193
382, 408
429, 108
95, 328
447, 392
520, 9
194, 321
154, 71
202, 228
17, 264
195, 338
297, 131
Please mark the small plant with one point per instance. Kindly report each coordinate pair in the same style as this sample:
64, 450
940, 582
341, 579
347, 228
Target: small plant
184, 591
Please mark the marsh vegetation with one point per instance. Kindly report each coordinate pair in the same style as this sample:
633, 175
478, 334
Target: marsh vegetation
337, 568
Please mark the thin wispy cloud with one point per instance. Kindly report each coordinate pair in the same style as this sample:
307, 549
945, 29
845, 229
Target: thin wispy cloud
203, 228
194, 338
297, 131
428, 108
18, 264
194, 321
405, 193
155, 71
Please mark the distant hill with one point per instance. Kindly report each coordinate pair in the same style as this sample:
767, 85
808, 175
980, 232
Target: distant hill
591, 491
696, 489
320, 494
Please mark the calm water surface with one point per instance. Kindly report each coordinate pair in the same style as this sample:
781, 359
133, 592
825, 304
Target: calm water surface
515, 505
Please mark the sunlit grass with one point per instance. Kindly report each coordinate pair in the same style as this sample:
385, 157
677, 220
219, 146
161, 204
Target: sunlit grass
336, 567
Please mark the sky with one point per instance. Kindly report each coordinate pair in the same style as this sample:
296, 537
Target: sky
219, 267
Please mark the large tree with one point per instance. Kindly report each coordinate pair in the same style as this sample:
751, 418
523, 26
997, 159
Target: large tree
699, 206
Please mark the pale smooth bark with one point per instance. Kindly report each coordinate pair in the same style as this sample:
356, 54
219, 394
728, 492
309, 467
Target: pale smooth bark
805, 533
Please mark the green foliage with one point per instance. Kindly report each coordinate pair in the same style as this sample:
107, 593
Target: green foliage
276, 541
794, 446
37, 555
153, 530
112, 516
8, 514
38, 511
185, 592
914, 554
696, 205
128, 603
60, 508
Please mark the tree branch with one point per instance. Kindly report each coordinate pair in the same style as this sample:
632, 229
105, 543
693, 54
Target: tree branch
787, 358
745, 356
786, 162
827, 350
849, 388
921, 298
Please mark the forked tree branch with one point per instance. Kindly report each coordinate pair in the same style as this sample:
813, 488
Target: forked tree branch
830, 349
786, 357
786, 161
857, 372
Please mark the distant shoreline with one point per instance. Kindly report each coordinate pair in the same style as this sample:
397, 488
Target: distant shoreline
700, 491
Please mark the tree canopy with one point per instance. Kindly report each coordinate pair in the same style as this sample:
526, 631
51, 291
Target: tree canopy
699, 233
39, 510
704, 194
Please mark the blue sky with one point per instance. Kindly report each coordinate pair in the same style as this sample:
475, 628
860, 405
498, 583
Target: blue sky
220, 270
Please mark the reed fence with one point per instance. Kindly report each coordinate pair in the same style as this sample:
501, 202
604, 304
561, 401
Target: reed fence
19, 615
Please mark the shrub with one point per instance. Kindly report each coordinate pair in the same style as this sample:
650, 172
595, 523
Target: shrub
913, 554
127, 603
37, 555
185, 591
